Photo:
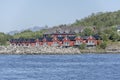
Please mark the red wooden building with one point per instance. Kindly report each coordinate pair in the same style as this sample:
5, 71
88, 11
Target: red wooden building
58, 40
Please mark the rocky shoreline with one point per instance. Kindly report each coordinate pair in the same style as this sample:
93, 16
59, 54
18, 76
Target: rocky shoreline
37, 50
50, 50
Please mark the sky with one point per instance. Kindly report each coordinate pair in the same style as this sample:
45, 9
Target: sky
23, 14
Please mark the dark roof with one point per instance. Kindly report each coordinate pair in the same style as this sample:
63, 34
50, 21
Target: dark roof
26, 40
60, 38
48, 39
61, 34
31, 40
22, 40
16, 40
41, 39
72, 38
97, 37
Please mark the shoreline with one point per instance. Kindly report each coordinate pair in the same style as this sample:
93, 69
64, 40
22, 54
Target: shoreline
100, 51
37, 50
26, 50
59, 53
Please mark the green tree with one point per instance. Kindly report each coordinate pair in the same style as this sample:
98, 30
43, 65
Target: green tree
82, 46
103, 45
88, 32
4, 38
105, 37
114, 37
29, 34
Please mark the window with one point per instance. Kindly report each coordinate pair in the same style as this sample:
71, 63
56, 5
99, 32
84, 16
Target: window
90, 41
44, 43
66, 43
78, 42
55, 44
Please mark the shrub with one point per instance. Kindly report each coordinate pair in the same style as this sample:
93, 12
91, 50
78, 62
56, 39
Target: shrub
82, 46
103, 45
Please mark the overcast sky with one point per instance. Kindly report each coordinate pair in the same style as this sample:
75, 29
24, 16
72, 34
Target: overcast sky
21, 14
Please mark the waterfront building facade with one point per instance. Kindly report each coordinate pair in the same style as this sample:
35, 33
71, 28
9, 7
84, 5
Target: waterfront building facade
58, 40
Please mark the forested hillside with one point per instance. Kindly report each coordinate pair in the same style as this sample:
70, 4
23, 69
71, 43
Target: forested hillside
4, 38
104, 23
100, 19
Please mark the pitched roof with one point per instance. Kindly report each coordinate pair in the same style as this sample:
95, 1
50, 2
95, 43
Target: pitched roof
22, 40
31, 40
41, 39
72, 38
97, 37
60, 38
16, 40
49, 39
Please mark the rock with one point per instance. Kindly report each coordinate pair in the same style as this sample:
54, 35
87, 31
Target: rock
37, 50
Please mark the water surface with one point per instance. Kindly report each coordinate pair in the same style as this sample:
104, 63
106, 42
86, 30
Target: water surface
60, 67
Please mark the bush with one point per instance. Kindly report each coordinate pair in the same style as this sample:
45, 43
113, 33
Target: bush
103, 45
82, 46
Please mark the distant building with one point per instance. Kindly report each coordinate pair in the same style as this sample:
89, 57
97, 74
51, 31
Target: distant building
118, 29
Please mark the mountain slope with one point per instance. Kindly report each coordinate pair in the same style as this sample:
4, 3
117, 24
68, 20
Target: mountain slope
100, 19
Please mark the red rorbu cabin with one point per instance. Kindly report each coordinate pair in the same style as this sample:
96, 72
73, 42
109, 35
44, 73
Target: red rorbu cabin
58, 40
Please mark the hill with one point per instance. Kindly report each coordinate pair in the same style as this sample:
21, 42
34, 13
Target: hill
100, 19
